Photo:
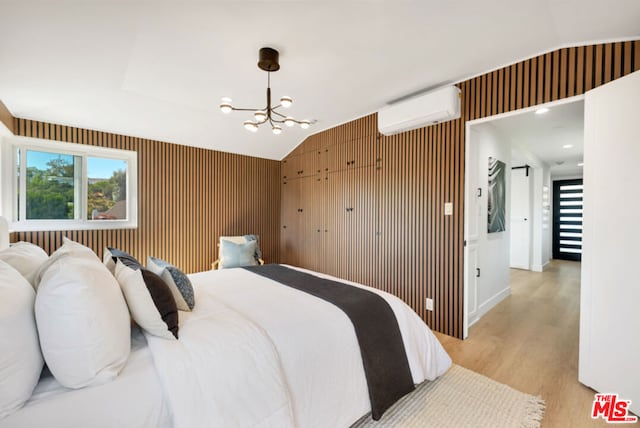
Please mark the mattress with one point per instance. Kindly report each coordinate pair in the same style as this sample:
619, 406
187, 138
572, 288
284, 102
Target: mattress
134, 399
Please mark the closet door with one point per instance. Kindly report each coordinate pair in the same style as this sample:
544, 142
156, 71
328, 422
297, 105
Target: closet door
361, 224
291, 167
312, 222
290, 222
309, 164
336, 241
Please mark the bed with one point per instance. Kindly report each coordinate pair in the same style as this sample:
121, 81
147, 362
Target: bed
107, 405
251, 353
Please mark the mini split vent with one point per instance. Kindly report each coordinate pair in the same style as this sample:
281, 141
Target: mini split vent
427, 109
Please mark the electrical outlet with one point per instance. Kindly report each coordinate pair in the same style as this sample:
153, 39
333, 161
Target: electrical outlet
448, 208
429, 304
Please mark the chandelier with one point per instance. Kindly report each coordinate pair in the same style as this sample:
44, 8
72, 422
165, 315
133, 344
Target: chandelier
268, 61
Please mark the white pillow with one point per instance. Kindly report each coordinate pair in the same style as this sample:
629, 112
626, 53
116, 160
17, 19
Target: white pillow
150, 301
82, 318
24, 257
20, 356
68, 248
107, 260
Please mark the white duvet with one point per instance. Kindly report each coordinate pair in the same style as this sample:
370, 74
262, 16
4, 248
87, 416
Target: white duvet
255, 353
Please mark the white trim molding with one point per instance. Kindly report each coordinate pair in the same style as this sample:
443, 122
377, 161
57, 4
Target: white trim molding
14, 191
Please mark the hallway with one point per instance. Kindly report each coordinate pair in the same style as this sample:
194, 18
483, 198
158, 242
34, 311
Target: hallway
530, 342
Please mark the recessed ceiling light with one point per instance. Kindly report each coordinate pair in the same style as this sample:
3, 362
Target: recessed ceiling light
542, 110
581, 164
567, 146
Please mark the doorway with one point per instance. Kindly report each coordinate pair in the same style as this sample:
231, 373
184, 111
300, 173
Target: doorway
538, 146
567, 219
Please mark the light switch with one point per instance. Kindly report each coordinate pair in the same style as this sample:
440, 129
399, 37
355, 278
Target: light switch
429, 304
448, 208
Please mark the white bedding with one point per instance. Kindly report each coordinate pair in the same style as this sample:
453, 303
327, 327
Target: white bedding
256, 353
133, 400
252, 353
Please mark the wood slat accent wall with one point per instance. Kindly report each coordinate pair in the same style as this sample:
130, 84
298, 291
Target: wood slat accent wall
396, 238
5, 117
188, 197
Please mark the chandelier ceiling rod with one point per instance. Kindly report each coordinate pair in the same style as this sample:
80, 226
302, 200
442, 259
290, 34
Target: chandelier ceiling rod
268, 61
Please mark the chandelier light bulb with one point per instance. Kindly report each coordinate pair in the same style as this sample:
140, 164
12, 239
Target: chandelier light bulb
225, 105
286, 101
260, 116
276, 129
304, 124
250, 126
289, 121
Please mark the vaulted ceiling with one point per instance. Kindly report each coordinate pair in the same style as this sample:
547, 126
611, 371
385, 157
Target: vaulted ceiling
158, 69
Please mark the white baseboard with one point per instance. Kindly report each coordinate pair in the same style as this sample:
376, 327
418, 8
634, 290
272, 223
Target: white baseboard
523, 267
540, 268
473, 319
490, 303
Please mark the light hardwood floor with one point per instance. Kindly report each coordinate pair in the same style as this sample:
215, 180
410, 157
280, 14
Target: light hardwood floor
530, 342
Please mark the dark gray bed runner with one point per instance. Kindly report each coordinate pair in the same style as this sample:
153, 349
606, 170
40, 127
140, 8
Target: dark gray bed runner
384, 358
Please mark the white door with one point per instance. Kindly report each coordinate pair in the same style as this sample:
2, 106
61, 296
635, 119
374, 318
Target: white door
610, 289
520, 218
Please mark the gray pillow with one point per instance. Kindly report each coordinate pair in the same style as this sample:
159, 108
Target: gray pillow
178, 282
237, 255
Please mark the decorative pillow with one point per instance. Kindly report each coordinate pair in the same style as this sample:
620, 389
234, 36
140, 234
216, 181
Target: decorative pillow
82, 318
150, 301
26, 258
21, 360
67, 249
257, 239
112, 255
237, 255
178, 282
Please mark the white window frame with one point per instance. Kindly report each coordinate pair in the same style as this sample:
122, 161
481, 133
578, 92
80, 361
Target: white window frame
9, 188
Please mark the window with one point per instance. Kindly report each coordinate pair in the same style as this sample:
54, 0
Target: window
48, 185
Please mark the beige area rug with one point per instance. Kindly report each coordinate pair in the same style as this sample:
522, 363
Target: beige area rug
461, 398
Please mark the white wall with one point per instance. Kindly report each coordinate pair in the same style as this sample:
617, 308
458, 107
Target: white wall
493, 248
610, 290
555, 177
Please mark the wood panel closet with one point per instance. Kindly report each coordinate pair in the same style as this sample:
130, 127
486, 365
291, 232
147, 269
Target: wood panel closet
330, 205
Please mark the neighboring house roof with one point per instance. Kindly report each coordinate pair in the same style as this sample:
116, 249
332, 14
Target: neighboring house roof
116, 212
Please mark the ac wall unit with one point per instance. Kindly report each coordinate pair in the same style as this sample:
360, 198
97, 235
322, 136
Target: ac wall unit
437, 106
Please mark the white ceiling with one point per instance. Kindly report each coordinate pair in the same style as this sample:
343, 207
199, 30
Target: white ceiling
157, 69
545, 135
